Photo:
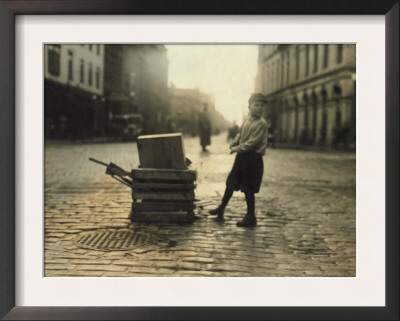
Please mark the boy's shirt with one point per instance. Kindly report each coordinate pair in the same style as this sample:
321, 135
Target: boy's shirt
252, 137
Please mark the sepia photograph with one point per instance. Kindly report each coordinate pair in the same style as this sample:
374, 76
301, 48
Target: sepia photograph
199, 160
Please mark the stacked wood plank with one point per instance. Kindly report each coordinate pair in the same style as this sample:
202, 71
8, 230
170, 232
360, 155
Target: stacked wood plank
163, 195
160, 193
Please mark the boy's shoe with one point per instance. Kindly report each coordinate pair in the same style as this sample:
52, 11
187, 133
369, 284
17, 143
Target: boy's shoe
217, 211
249, 220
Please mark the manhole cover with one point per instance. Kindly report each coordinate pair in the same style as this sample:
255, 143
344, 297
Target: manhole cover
112, 240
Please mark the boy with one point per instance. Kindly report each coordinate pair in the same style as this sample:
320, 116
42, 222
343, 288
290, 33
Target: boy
247, 171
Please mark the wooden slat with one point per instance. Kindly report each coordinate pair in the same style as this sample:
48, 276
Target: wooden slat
162, 217
177, 196
150, 186
166, 174
162, 206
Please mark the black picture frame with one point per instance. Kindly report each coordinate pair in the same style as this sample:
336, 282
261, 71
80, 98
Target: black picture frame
10, 8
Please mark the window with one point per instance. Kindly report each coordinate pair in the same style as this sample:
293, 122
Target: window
305, 99
326, 53
90, 47
287, 66
54, 53
273, 75
279, 73
90, 75
297, 62
97, 77
307, 60
82, 71
70, 65
315, 58
339, 56
98, 50
132, 77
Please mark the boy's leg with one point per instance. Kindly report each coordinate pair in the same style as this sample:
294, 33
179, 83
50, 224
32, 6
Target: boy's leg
225, 200
250, 218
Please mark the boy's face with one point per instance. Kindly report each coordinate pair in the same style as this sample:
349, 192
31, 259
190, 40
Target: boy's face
257, 108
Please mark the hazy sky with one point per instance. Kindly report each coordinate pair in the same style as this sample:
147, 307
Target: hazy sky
227, 71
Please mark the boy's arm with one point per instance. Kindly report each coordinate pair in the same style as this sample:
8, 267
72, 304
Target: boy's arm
256, 136
236, 140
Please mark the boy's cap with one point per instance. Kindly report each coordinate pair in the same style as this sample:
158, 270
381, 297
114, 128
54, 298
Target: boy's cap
257, 97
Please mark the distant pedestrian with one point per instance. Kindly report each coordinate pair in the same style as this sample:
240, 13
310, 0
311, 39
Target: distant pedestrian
204, 129
271, 138
248, 168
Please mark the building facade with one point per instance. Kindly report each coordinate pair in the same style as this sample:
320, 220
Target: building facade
186, 106
136, 82
73, 90
311, 92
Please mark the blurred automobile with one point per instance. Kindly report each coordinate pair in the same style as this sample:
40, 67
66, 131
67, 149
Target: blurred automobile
126, 126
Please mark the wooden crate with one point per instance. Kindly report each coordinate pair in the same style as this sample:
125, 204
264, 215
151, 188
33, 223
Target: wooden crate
163, 195
161, 151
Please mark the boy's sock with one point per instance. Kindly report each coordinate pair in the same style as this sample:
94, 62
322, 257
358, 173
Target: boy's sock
225, 200
227, 196
250, 200
250, 218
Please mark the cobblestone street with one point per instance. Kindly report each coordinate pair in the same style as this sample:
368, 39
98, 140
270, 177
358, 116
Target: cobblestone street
306, 213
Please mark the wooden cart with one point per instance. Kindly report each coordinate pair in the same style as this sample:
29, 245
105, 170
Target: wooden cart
163, 187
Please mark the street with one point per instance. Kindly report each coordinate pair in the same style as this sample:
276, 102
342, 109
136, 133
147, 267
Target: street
306, 212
